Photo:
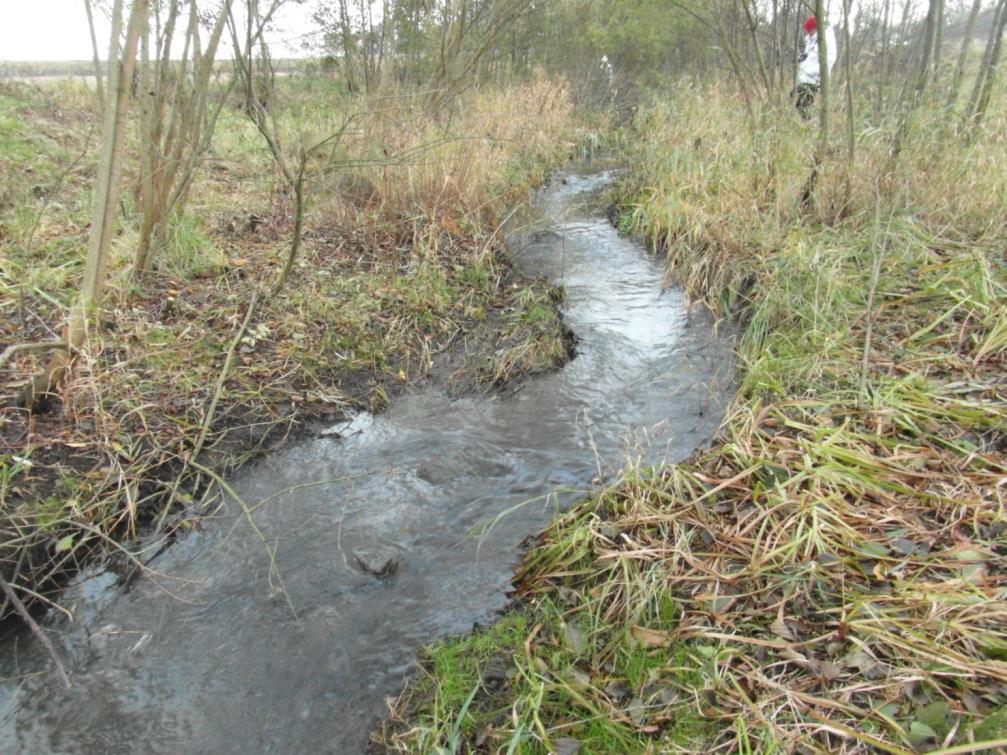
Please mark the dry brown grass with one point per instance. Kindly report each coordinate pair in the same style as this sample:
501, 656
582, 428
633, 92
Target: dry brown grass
377, 292
832, 575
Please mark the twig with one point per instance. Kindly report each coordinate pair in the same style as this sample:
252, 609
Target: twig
35, 628
865, 359
211, 410
875, 275
56, 185
274, 569
17, 348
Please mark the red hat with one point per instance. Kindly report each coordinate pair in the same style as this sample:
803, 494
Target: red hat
810, 25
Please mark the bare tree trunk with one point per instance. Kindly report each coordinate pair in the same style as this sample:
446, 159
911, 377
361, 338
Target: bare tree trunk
851, 134
349, 47
753, 30
746, 82
98, 83
776, 51
363, 8
886, 33
103, 212
900, 43
988, 72
963, 54
177, 124
938, 41
295, 242
266, 123
929, 32
385, 61
826, 76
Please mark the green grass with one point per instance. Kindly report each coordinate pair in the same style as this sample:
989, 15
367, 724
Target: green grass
375, 295
830, 575
568, 687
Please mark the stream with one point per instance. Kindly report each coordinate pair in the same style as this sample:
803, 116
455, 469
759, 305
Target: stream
385, 534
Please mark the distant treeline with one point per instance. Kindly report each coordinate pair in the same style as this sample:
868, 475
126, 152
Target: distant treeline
28, 69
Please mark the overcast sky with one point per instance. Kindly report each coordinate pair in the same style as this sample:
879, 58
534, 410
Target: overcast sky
57, 30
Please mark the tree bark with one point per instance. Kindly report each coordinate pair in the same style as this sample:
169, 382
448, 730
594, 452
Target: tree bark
825, 76
753, 30
963, 54
938, 41
929, 32
99, 85
851, 134
886, 33
988, 72
177, 124
103, 212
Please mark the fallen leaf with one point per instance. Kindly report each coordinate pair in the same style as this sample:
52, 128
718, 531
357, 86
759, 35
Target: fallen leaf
575, 639
648, 638
972, 702
903, 546
668, 695
617, 689
872, 550
568, 596
565, 747
581, 678
451, 226
919, 732
636, 710
780, 629
830, 670
863, 662
933, 715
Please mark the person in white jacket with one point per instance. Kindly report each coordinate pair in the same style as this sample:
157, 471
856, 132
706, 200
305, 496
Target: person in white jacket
809, 77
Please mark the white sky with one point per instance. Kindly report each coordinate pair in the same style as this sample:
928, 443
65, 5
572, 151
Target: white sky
57, 30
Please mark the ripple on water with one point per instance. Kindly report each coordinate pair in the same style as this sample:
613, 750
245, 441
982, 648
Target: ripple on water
208, 656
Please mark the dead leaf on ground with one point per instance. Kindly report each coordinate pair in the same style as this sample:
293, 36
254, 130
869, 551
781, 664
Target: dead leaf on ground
649, 638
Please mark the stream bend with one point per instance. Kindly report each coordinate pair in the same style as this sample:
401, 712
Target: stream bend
383, 538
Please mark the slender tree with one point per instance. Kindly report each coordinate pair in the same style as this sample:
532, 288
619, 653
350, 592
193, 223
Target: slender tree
988, 70
178, 121
121, 64
938, 40
825, 93
851, 133
929, 38
99, 84
963, 54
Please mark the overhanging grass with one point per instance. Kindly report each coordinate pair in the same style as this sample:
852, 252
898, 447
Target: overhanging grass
830, 576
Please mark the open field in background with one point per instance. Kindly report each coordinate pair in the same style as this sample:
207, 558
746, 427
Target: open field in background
831, 576
401, 254
40, 71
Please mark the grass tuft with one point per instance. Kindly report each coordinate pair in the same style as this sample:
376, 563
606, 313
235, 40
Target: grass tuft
830, 575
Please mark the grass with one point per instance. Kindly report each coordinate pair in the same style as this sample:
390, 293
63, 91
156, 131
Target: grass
830, 575
377, 294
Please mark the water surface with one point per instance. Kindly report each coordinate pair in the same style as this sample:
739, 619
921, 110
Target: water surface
236, 647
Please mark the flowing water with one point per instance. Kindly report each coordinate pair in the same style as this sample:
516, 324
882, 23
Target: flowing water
233, 647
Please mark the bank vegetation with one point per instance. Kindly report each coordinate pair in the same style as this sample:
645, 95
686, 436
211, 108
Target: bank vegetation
828, 576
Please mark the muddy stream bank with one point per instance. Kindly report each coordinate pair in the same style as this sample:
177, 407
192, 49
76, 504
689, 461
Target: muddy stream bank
388, 532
